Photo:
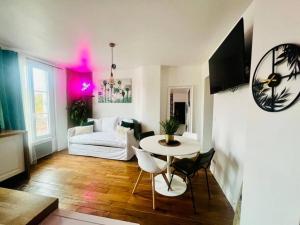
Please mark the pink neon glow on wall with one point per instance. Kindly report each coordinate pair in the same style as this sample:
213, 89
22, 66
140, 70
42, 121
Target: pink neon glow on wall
80, 81
83, 64
79, 84
85, 86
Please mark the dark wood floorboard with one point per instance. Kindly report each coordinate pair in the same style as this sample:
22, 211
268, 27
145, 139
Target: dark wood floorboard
103, 187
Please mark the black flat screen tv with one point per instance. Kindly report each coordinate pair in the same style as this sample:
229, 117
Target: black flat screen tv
227, 65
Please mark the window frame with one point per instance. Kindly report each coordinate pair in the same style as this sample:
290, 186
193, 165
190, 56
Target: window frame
50, 97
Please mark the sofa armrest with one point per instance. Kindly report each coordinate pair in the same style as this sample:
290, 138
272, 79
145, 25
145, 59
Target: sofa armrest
71, 132
130, 139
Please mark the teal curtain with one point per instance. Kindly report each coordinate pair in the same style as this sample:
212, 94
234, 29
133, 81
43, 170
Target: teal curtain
1, 117
11, 106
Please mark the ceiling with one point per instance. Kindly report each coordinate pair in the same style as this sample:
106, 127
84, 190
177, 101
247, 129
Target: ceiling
147, 32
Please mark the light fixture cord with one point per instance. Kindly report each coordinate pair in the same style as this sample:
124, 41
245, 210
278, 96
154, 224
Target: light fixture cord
112, 61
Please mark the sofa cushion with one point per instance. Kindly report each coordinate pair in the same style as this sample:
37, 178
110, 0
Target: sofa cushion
84, 130
110, 139
109, 124
97, 124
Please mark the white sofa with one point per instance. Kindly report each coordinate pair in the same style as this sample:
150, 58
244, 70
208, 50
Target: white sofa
104, 142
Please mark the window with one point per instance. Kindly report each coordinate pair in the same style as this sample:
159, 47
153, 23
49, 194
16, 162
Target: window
41, 100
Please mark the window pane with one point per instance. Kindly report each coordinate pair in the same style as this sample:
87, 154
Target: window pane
42, 124
40, 79
41, 102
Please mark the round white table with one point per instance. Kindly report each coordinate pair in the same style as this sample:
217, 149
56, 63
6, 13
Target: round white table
188, 146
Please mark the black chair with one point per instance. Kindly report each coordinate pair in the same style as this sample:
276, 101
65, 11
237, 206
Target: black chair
189, 167
146, 134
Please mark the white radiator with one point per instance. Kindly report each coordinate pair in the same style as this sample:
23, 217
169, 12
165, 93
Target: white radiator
43, 149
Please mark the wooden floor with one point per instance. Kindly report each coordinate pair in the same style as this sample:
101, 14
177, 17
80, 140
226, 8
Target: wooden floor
103, 187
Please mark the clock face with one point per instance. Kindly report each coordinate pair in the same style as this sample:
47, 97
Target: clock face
276, 79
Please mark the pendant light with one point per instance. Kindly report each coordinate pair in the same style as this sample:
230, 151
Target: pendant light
113, 66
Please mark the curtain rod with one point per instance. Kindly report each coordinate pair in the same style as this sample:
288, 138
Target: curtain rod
30, 57
43, 62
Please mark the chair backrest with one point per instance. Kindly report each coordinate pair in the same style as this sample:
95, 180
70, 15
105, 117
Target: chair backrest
204, 160
146, 134
146, 161
190, 135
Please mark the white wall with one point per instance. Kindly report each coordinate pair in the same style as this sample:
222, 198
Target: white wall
180, 97
150, 90
271, 189
60, 101
149, 113
172, 76
229, 133
116, 109
207, 110
145, 105
229, 129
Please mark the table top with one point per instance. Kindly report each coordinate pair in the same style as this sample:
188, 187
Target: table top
188, 146
23, 208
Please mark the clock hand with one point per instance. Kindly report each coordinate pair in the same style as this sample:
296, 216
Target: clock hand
271, 79
267, 81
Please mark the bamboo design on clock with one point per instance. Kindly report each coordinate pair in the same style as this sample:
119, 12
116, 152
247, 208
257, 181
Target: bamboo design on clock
276, 79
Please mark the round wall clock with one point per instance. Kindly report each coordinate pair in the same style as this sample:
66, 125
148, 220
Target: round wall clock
276, 79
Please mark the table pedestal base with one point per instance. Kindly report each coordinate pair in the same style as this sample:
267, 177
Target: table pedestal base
178, 186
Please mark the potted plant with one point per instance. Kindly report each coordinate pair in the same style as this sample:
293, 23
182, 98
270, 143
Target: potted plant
170, 127
79, 112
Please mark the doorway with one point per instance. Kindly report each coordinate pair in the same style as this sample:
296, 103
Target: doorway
180, 106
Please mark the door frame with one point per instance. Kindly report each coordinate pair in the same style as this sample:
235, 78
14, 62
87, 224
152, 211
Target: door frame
191, 101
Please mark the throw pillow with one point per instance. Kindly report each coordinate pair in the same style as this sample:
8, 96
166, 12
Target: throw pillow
128, 120
128, 125
109, 124
89, 123
121, 131
97, 124
84, 130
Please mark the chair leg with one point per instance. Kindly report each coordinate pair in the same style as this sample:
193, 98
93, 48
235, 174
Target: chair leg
137, 181
192, 193
207, 184
153, 190
171, 181
167, 181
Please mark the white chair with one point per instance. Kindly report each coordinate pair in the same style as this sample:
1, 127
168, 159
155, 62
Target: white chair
193, 136
152, 165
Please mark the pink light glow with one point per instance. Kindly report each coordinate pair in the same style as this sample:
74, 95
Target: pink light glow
85, 86
81, 71
84, 64
80, 83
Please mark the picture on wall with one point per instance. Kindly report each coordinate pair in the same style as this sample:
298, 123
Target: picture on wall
118, 91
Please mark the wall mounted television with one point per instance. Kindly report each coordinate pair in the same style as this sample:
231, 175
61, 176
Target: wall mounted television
227, 66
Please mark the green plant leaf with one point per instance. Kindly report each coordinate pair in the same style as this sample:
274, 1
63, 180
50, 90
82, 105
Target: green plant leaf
170, 126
